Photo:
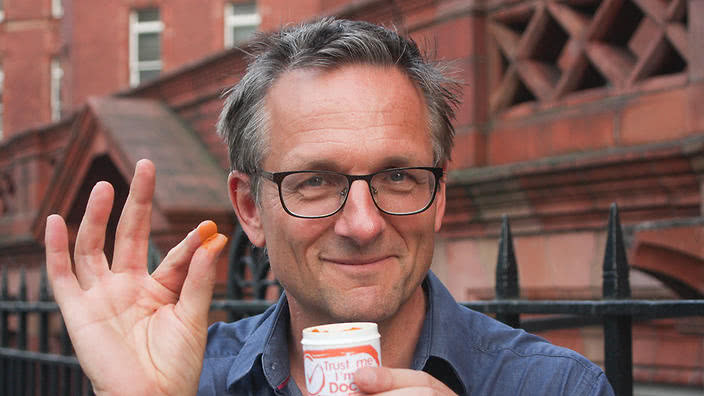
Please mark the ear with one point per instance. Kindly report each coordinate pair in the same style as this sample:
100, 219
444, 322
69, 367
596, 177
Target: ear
440, 202
245, 207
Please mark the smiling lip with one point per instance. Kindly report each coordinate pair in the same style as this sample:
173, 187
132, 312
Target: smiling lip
357, 261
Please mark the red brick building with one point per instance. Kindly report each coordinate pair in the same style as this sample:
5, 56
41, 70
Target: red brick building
569, 106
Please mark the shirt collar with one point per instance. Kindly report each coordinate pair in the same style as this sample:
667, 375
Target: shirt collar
439, 335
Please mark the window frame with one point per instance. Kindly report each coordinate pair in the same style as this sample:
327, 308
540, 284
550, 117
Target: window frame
56, 76
231, 21
57, 8
138, 28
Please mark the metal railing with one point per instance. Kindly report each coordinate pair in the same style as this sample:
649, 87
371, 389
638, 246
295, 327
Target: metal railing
38, 360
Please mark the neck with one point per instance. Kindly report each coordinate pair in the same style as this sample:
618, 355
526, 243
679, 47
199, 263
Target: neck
399, 334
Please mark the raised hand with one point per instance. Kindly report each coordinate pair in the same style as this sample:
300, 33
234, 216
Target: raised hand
134, 333
388, 381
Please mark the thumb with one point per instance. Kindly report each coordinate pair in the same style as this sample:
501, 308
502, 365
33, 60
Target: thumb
197, 291
384, 379
372, 380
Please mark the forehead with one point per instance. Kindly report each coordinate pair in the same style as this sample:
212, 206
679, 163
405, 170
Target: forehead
356, 112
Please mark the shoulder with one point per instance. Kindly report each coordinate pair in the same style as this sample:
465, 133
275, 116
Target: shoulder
522, 363
491, 358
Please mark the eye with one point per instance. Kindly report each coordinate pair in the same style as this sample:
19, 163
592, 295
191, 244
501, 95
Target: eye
313, 181
398, 176
317, 181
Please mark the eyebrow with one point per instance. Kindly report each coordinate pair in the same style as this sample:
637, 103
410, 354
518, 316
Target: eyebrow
318, 164
399, 162
385, 163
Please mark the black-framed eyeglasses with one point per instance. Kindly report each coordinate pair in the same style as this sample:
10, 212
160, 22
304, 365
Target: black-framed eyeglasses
313, 194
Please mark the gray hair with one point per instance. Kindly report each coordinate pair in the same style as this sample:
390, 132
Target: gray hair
325, 45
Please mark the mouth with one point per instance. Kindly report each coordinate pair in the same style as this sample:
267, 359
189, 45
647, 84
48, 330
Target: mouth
358, 261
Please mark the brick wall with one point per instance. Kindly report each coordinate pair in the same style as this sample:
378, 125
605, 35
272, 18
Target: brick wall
28, 39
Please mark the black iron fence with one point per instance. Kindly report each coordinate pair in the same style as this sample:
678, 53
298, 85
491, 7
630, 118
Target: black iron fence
36, 356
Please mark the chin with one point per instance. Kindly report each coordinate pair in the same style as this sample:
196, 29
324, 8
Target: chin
363, 312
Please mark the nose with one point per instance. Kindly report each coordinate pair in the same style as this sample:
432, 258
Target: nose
360, 220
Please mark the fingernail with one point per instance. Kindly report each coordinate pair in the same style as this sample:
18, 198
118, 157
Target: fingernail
214, 242
365, 376
206, 229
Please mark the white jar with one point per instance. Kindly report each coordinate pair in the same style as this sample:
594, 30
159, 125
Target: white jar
332, 353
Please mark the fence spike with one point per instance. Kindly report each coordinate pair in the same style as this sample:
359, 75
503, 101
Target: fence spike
234, 290
506, 267
4, 292
615, 277
44, 292
22, 296
4, 316
44, 295
507, 274
66, 346
618, 336
22, 325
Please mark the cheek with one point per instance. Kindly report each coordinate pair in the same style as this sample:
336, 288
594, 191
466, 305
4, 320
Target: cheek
418, 233
425, 243
290, 240
421, 224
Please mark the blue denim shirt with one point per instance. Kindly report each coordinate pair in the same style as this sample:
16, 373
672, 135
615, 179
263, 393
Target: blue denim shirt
470, 352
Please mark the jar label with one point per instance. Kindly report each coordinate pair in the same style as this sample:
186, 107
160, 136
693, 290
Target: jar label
331, 371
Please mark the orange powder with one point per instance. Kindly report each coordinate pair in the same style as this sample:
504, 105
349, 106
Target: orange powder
206, 229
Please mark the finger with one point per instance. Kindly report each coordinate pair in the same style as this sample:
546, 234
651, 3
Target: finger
90, 241
58, 260
382, 379
410, 391
197, 291
173, 269
132, 236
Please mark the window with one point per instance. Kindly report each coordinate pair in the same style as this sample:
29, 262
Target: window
145, 45
57, 73
2, 10
57, 8
241, 21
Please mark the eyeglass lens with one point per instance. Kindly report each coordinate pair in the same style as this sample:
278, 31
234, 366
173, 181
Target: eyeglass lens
396, 191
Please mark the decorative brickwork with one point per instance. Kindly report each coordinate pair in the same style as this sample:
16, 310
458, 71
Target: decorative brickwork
547, 50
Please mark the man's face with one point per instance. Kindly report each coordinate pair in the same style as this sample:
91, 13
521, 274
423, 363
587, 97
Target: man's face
359, 264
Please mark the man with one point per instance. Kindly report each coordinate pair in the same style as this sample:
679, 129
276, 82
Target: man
339, 135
